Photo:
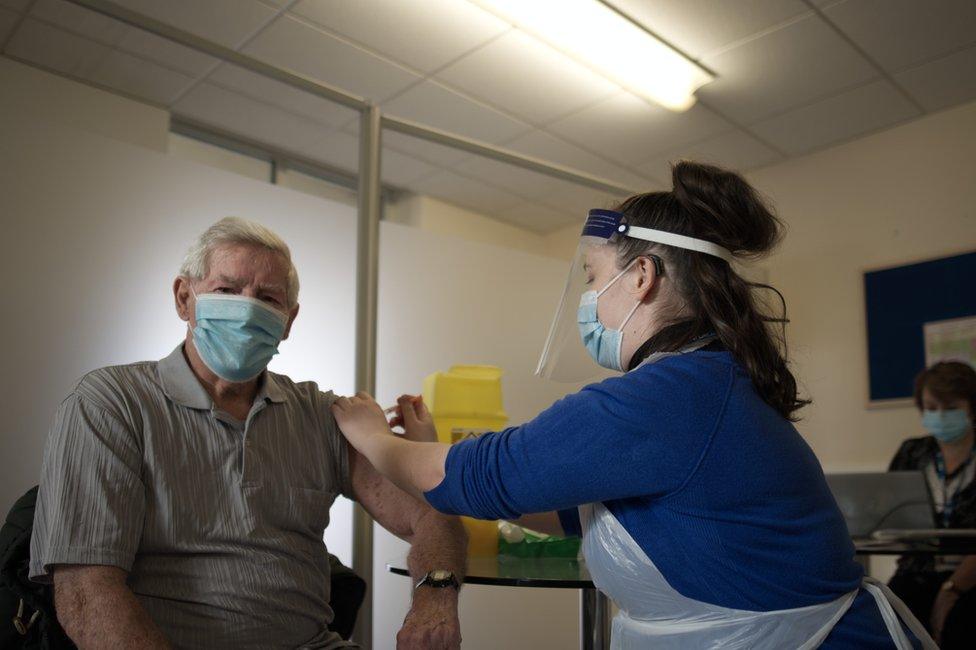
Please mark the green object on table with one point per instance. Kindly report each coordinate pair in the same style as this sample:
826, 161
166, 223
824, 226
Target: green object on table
538, 546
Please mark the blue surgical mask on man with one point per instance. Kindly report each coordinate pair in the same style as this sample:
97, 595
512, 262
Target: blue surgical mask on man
947, 426
603, 344
236, 336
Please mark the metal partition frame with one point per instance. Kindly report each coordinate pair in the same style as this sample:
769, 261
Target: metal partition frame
369, 187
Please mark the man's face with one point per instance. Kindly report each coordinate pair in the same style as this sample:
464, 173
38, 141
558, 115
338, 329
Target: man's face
242, 270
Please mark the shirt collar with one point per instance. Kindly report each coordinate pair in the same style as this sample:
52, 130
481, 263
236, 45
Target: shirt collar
183, 387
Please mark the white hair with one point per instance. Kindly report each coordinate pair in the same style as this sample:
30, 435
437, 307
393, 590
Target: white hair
234, 230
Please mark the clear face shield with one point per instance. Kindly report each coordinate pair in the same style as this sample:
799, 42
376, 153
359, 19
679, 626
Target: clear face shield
564, 357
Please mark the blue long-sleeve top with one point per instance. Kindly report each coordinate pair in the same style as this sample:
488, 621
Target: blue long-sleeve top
719, 490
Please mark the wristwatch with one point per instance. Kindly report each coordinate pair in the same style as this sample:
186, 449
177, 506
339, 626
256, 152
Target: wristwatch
949, 585
438, 579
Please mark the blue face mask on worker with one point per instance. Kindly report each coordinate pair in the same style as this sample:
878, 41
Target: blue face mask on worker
947, 426
236, 336
603, 344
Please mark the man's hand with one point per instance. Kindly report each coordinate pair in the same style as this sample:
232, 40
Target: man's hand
360, 419
413, 416
432, 622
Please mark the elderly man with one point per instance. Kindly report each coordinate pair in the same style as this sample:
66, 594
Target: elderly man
182, 502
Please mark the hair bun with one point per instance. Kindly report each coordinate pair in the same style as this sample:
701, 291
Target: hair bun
725, 209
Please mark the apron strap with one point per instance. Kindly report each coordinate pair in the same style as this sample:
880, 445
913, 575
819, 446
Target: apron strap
892, 608
818, 638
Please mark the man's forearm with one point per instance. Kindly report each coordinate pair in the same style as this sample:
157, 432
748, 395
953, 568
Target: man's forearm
439, 542
98, 610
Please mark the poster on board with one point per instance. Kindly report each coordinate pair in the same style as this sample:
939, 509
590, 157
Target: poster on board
950, 340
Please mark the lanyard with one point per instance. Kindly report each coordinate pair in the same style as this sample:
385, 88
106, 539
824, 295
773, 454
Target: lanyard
949, 503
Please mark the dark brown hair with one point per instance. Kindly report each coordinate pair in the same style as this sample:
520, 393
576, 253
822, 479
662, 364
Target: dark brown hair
947, 380
721, 207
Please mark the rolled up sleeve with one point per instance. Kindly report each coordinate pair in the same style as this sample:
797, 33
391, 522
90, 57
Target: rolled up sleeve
92, 501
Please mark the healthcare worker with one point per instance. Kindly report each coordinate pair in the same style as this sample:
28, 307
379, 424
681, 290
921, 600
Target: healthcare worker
704, 515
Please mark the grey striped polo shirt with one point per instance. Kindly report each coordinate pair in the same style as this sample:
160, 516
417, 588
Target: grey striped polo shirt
218, 522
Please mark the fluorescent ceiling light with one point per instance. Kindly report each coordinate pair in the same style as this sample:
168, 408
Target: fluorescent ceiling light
596, 36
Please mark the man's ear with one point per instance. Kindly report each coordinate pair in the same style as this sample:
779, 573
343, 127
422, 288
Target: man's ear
181, 294
292, 315
646, 279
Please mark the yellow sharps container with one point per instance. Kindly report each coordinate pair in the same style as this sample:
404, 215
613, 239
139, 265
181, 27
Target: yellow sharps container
465, 402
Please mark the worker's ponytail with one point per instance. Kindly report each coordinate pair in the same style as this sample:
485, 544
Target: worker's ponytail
718, 206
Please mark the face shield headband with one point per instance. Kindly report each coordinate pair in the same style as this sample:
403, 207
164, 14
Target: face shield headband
564, 358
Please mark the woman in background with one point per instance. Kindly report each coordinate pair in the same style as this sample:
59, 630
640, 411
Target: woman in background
940, 590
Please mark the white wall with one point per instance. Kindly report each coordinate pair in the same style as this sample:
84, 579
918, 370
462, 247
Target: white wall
446, 301
899, 196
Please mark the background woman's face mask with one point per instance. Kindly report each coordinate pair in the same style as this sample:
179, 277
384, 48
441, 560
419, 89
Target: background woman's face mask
236, 336
947, 426
602, 344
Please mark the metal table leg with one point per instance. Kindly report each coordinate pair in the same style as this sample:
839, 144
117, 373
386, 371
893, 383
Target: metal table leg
594, 620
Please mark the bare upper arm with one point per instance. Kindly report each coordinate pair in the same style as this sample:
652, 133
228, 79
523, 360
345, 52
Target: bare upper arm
390, 506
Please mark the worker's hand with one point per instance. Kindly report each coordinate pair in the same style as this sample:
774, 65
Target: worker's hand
432, 622
413, 416
944, 602
360, 418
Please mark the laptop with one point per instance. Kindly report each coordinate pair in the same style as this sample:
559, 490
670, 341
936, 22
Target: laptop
876, 502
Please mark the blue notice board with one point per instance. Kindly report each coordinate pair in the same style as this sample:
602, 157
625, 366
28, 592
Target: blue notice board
898, 302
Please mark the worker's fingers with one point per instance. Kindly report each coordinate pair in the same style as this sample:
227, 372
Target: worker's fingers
421, 408
409, 414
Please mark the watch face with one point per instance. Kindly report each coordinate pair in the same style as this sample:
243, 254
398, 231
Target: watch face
440, 575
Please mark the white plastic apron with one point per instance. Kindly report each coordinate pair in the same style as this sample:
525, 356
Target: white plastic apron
654, 615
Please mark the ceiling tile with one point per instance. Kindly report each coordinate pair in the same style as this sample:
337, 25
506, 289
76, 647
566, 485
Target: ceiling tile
402, 170
466, 192
430, 152
106, 31
902, 33
788, 67
287, 97
16, 5
296, 45
56, 49
425, 39
630, 130
576, 200
8, 21
487, 74
431, 104
262, 122
228, 22
546, 146
334, 148
79, 21
167, 53
536, 217
842, 117
700, 27
735, 150
140, 78
522, 182
944, 82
